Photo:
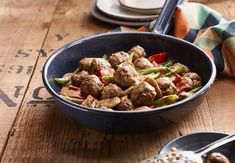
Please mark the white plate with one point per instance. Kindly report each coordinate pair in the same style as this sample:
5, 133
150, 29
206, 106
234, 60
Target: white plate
146, 12
143, 4
112, 8
95, 12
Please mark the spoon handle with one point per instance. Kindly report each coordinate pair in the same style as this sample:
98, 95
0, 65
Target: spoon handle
215, 144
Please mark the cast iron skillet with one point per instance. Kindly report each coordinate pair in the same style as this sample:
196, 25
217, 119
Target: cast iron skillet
67, 57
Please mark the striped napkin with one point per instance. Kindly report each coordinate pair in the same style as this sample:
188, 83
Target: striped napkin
207, 29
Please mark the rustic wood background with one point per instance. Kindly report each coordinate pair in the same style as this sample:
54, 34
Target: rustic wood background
32, 129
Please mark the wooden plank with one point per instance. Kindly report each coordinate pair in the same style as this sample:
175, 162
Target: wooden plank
43, 134
225, 7
24, 25
197, 122
217, 112
222, 104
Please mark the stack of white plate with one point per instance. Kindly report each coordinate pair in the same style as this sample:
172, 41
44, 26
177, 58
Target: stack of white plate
126, 12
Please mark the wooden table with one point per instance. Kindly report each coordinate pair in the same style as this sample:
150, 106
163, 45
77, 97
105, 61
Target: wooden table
32, 129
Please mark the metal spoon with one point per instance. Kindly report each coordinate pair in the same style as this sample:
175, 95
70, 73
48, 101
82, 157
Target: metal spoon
197, 156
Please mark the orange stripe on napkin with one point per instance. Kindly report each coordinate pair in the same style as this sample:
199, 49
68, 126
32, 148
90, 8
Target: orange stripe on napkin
181, 24
229, 57
209, 53
143, 29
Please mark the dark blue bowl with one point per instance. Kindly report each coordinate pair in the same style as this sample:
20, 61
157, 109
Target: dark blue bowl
195, 141
66, 60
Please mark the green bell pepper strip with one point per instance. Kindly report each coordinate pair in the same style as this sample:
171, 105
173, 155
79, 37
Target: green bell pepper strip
166, 100
108, 78
130, 58
154, 70
62, 81
76, 71
154, 76
105, 57
195, 90
177, 71
167, 63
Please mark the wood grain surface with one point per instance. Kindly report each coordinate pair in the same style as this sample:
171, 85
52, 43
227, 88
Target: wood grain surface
24, 25
32, 129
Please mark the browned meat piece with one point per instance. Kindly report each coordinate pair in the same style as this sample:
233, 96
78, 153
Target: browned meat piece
143, 108
177, 66
125, 75
91, 86
154, 83
85, 64
195, 78
143, 94
108, 103
98, 64
137, 52
117, 58
125, 104
168, 91
111, 90
167, 86
216, 157
142, 63
187, 80
77, 79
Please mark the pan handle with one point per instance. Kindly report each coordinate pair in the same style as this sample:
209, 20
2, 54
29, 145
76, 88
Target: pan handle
164, 19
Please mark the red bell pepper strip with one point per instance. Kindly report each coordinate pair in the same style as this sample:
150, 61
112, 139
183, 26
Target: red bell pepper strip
106, 74
182, 86
158, 57
71, 87
176, 78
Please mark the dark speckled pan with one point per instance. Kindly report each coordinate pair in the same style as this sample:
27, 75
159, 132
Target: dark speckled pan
66, 60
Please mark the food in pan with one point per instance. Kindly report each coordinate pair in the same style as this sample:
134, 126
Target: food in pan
176, 156
127, 81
